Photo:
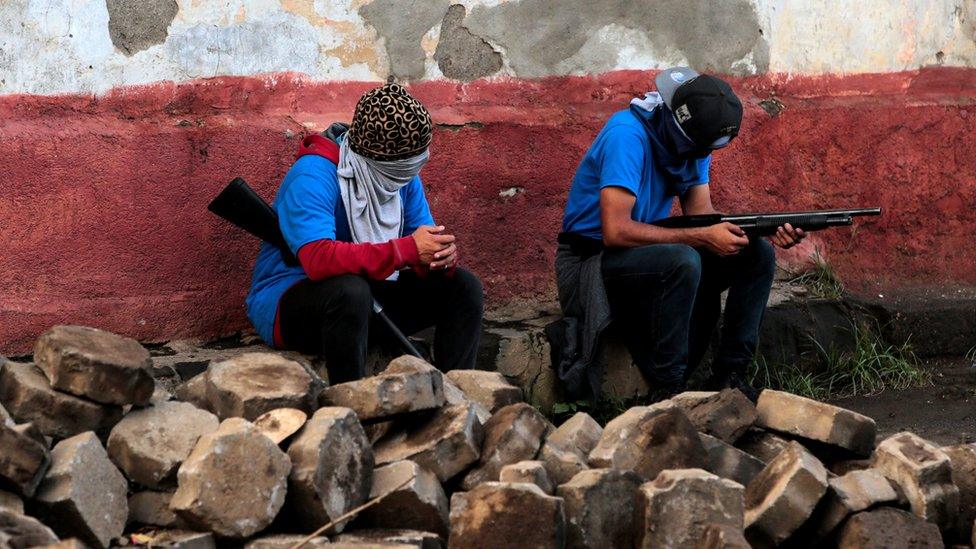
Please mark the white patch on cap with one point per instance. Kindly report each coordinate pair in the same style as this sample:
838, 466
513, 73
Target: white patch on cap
678, 77
682, 114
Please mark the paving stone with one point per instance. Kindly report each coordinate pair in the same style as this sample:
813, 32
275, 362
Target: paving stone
513, 434
19, 531
454, 395
648, 440
4, 414
281, 423
729, 462
722, 536
194, 391
234, 481
962, 459
391, 537
924, 474
419, 505
889, 529
149, 444
286, 541
725, 415
407, 385
579, 434
27, 395
849, 494
72, 543
844, 466
762, 445
493, 514
83, 494
332, 467
251, 384
783, 495
532, 472
182, 539
152, 509
24, 457
561, 465
818, 421
445, 443
599, 508
490, 389
11, 502
98, 365
674, 509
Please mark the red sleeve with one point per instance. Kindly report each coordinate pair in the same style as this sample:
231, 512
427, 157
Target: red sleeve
327, 258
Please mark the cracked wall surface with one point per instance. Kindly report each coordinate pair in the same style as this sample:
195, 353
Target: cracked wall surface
67, 46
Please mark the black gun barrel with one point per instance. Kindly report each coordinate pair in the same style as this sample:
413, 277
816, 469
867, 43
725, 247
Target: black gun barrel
765, 224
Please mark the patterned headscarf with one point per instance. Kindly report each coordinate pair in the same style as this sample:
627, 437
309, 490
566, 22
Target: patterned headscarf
389, 124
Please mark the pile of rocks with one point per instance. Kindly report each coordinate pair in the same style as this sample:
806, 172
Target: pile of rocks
257, 450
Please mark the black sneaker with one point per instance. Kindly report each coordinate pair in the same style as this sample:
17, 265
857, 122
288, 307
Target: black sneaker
738, 381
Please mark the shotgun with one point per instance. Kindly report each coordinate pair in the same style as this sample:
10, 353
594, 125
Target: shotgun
765, 224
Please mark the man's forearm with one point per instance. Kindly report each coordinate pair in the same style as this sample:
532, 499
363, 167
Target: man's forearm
635, 233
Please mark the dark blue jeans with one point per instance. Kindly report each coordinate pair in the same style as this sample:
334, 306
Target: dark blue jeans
665, 300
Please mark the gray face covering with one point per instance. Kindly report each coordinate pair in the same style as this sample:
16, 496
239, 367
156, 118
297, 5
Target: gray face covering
370, 192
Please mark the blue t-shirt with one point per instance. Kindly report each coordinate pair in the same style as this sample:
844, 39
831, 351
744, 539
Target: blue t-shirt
622, 156
310, 208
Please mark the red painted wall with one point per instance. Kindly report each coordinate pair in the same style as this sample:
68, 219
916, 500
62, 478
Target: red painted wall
103, 211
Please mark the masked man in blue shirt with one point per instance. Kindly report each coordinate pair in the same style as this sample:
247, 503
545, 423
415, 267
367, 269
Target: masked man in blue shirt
661, 286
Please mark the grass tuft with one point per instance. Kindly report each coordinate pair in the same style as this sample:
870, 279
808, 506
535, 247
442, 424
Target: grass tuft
821, 279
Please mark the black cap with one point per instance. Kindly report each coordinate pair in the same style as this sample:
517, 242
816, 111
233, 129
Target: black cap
705, 107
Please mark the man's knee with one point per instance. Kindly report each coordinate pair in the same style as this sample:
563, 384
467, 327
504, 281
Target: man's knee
351, 296
468, 289
765, 256
684, 262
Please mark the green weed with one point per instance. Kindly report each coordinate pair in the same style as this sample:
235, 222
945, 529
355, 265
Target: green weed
821, 279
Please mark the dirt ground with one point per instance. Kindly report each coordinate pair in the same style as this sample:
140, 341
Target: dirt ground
942, 412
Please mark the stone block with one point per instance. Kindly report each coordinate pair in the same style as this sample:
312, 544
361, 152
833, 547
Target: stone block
725, 415
286, 541
419, 505
446, 443
675, 508
561, 465
599, 508
454, 395
494, 514
151, 508
234, 481
408, 385
389, 538
98, 365
762, 445
522, 356
854, 492
962, 459
24, 457
579, 434
149, 444
889, 529
490, 389
281, 423
781, 498
729, 462
83, 494
332, 467
514, 433
21, 531
818, 421
194, 391
28, 397
722, 536
182, 539
251, 384
924, 474
11, 502
531, 472
648, 440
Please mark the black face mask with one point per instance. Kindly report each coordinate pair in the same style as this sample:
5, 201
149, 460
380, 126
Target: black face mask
680, 146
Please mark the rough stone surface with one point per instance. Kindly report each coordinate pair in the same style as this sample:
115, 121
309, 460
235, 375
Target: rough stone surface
454, 395
285, 541
419, 505
21, 531
493, 514
150, 444
4, 414
445, 444
462, 55
182, 539
674, 509
648, 440
27, 395
251, 384
135, 26
152, 509
83, 494
579, 434
849, 494
194, 391
725, 415
962, 459
233, 482
889, 529
813, 420
598, 505
783, 495
531, 472
729, 462
523, 358
24, 457
332, 467
561, 465
762, 445
389, 537
722, 536
280, 423
98, 365
923, 473
514, 433
11, 502
490, 389
408, 385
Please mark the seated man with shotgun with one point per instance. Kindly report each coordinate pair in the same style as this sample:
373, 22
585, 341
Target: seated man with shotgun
353, 210
661, 286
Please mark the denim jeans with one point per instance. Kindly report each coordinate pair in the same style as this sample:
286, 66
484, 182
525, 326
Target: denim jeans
665, 300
